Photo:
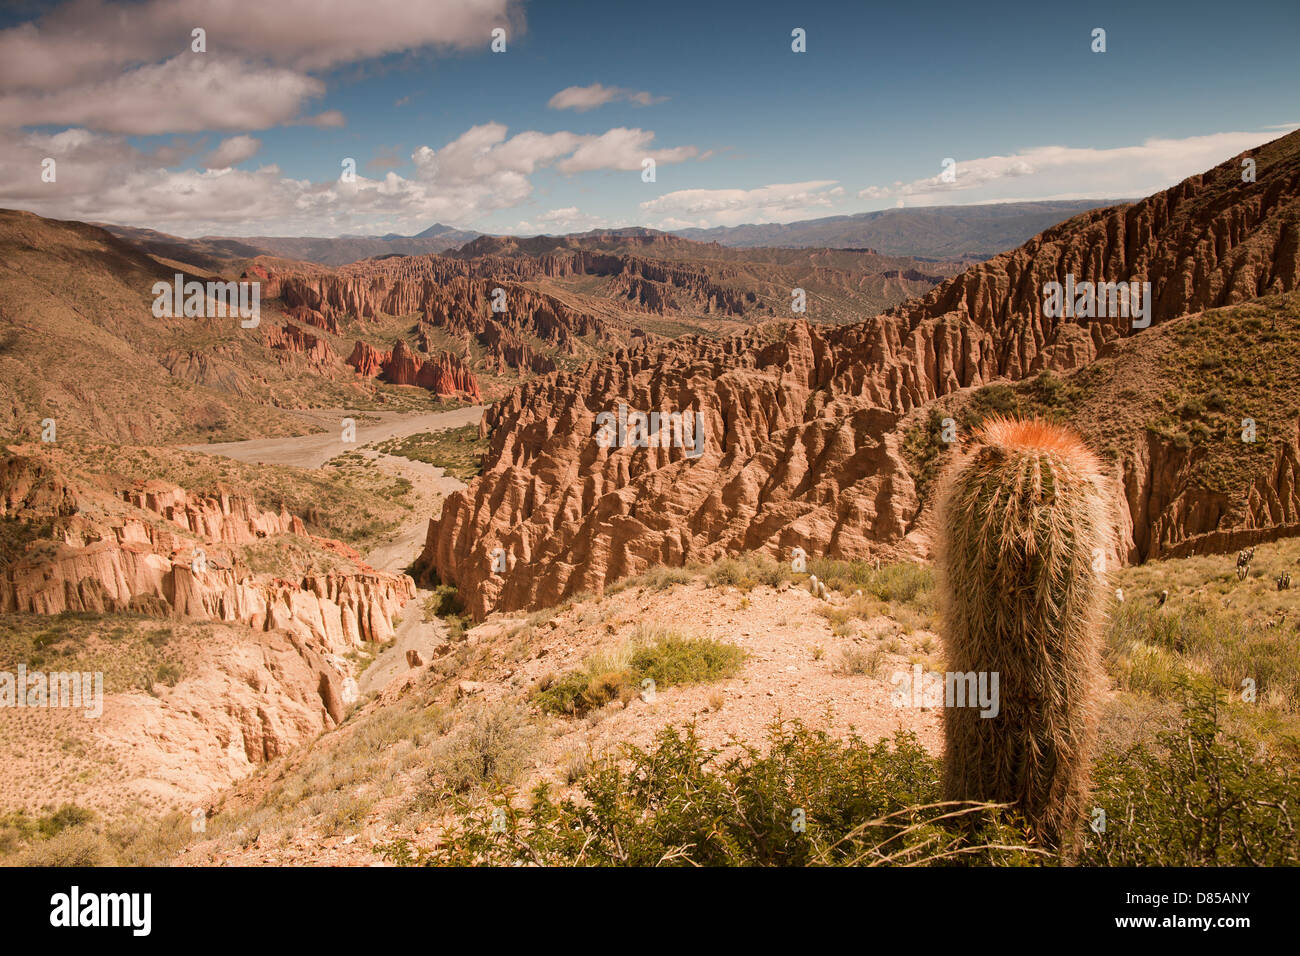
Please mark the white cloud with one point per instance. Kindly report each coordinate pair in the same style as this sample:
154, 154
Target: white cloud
330, 119
560, 221
234, 150
583, 98
1066, 172
622, 148
83, 40
184, 94
130, 68
731, 207
103, 178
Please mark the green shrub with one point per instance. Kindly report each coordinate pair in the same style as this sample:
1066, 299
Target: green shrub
677, 804
1202, 797
901, 581
573, 693
672, 659
664, 656
68, 815
748, 571
444, 601
489, 746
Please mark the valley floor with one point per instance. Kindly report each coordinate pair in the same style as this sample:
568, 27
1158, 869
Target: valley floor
431, 485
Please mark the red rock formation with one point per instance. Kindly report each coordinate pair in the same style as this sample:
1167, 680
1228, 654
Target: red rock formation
367, 359
290, 338
444, 374
313, 318
1210, 241
801, 442
143, 555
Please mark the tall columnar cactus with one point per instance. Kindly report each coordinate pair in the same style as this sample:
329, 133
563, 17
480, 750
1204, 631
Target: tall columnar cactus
1022, 525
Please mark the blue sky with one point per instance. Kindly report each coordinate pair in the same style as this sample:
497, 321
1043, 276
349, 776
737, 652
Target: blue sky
248, 137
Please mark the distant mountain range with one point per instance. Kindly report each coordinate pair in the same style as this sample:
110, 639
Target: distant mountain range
209, 251
932, 232
938, 231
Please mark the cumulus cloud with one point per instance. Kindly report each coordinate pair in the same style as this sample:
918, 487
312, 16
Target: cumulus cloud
130, 68
234, 150
330, 119
622, 148
184, 94
102, 177
583, 98
558, 221
81, 40
1066, 172
731, 207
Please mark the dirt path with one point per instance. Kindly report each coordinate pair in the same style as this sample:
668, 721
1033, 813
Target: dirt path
312, 451
431, 486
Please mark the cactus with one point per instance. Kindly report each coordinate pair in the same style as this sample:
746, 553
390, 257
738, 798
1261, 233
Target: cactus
1021, 522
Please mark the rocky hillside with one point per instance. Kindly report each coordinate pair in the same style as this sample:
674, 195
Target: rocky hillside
80, 344
149, 546
225, 633
1212, 240
804, 425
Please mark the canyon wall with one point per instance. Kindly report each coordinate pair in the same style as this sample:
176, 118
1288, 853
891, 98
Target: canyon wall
801, 443
145, 557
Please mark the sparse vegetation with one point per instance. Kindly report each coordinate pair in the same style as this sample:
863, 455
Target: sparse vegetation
131, 650
747, 571
445, 603
345, 499
459, 451
658, 578
858, 662
489, 746
903, 590
1198, 797
663, 656
679, 804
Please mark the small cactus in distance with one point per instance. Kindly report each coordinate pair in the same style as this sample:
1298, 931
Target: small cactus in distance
1019, 525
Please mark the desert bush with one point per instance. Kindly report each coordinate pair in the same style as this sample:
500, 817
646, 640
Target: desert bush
74, 846
858, 661
345, 813
658, 578
444, 601
807, 800
489, 745
748, 571
1201, 797
664, 656
669, 659
1155, 649
68, 815
901, 582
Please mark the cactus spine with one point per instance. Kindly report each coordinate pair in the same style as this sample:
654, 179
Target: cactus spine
1021, 523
